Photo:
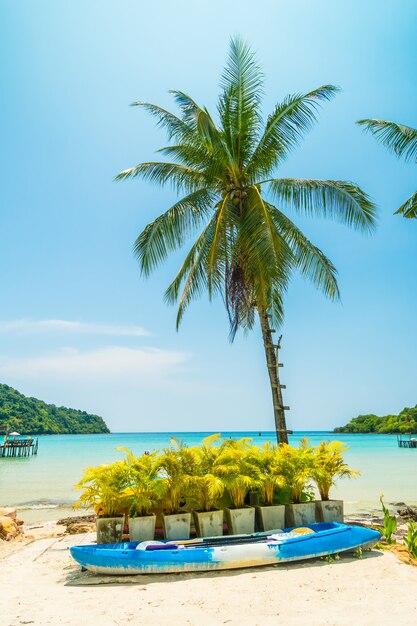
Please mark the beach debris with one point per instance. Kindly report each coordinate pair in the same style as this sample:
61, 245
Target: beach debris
79, 524
10, 525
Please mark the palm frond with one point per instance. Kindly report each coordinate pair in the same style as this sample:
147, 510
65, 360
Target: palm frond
188, 155
285, 127
339, 200
179, 176
188, 107
311, 261
193, 272
171, 229
400, 139
175, 127
212, 140
242, 82
409, 208
260, 260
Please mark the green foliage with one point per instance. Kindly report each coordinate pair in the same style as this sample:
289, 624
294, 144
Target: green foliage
405, 422
246, 248
179, 467
358, 553
236, 467
329, 465
102, 488
402, 140
30, 416
411, 539
206, 488
196, 478
145, 490
271, 479
296, 468
390, 523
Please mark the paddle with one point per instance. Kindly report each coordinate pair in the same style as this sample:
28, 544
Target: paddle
208, 542
225, 538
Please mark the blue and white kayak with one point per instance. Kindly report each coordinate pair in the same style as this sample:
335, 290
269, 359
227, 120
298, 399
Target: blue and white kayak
229, 552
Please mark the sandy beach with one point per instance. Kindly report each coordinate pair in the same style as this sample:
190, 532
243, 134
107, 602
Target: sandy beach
41, 584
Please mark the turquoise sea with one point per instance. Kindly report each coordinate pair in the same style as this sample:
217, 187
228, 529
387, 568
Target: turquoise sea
42, 486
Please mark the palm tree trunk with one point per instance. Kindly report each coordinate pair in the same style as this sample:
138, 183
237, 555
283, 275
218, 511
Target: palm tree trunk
273, 369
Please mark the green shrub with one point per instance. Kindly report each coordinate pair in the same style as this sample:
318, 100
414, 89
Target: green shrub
411, 539
390, 523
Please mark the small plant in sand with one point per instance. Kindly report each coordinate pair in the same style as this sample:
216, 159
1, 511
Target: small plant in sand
329, 465
389, 524
411, 539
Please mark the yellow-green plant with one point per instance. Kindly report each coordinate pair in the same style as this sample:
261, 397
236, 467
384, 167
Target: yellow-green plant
390, 522
102, 489
295, 468
235, 466
411, 539
146, 488
329, 465
206, 488
179, 466
267, 460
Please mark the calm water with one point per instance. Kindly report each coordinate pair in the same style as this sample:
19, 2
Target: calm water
42, 486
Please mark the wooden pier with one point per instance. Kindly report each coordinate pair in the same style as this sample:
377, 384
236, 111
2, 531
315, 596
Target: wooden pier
409, 442
19, 447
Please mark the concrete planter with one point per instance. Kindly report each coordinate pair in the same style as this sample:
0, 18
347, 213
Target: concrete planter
109, 529
300, 514
176, 526
208, 523
240, 521
329, 510
270, 517
142, 528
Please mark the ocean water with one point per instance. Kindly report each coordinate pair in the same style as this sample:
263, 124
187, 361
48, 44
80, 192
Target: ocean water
42, 486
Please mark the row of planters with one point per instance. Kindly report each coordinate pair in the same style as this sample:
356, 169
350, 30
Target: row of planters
215, 482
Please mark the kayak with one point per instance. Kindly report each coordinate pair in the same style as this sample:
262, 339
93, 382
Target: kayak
226, 552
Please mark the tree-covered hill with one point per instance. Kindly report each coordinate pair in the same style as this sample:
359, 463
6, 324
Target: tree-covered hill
30, 416
405, 422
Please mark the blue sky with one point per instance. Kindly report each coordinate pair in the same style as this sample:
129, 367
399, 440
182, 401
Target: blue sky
80, 327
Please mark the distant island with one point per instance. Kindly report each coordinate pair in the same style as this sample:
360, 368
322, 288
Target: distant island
30, 416
405, 422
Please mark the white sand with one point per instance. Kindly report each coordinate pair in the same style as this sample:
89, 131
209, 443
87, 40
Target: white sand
41, 584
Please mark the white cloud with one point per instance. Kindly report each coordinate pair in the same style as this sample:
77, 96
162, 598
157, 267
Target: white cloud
66, 326
112, 364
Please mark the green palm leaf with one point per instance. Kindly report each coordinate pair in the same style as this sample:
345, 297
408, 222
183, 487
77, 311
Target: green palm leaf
336, 199
311, 261
285, 128
170, 230
400, 139
175, 127
409, 208
242, 84
179, 176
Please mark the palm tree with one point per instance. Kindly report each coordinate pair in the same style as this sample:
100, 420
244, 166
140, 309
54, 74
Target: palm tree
247, 247
402, 140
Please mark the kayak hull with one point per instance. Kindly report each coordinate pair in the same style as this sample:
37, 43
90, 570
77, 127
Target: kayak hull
226, 553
